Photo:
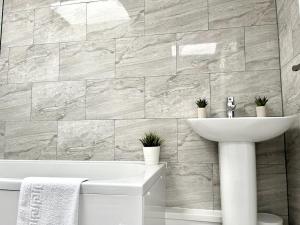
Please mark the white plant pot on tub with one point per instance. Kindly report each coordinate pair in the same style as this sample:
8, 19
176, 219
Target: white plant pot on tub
151, 155
202, 113
261, 111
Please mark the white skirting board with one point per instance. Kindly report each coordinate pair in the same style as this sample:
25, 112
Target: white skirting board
180, 216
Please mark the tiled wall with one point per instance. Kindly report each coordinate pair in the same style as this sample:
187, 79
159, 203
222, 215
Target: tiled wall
289, 34
83, 80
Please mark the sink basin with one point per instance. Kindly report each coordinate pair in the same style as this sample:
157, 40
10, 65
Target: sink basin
241, 129
237, 162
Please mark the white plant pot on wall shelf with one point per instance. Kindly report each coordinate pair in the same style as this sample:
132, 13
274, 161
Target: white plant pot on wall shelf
202, 113
151, 155
261, 111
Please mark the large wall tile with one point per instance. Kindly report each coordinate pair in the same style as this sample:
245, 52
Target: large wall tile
17, 5
290, 87
183, 185
168, 16
3, 69
115, 99
15, 102
230, 13
146, 56
193, 148
87, 60
58, 100
115, 19
175, 96
211, 51
216, 187
85, 140
245, 87
262, 47
128, 133
2, 141
272, 189
30, 140
33, 63
265, 12
17, 28
60, 24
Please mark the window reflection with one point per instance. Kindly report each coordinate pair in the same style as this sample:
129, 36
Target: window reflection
197, 49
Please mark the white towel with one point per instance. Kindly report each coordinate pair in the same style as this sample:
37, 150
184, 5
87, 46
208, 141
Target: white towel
49, 201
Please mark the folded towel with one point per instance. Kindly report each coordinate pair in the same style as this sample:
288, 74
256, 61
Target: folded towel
49, 201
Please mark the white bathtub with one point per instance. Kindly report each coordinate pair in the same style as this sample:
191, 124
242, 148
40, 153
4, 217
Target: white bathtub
117, 193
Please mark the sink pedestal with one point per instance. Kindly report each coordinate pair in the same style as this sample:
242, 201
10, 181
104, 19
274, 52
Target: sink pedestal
238, 183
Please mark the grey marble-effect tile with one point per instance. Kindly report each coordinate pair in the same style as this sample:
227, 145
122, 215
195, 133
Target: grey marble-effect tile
115, 99
271, 188
262, 51
87, 60
146, 56
296, 39
265, 12
245, 86
128, 133
216, 187
194, 149
85, 140
17, 28
2, 140
15, 102
33, 63
271, 151
230, 13
290, 87
189, 185
211, 51
18, 5
60, 24
175, 96
58, 100
3, 69
31, 140
115, 19
167, 16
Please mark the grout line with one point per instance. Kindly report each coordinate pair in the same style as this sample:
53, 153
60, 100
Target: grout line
1, 28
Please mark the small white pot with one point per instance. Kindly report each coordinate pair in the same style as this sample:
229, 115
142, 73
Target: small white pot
202, 113
261, 111
151, 155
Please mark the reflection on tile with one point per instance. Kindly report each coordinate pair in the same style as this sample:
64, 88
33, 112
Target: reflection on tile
193, 148
264, 12
33, 63
146, 56
189, 185
128, 132
290, 87
271, 151
175, 96
58, 24
18, 5
115, 99
262, 47
168, 16
15, 102
234, 13
2, 130
85, 140
3, 69
211, 51
58, 101
30, 140
223, 85
271, 188
87, 60
18, 28
115, 19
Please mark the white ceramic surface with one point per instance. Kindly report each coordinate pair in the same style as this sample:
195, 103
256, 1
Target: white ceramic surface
116, 192
202, 113
241, 129
261, 111
151, 155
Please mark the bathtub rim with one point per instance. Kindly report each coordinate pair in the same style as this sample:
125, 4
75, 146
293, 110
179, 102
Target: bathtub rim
135, 187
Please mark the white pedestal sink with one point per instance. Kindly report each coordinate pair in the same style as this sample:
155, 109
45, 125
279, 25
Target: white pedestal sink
237, 161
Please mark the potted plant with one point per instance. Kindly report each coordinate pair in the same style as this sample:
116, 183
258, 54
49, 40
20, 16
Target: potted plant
202, 103
261, 106
151, 142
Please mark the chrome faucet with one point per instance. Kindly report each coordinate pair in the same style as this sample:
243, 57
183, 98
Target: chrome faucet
230, 107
